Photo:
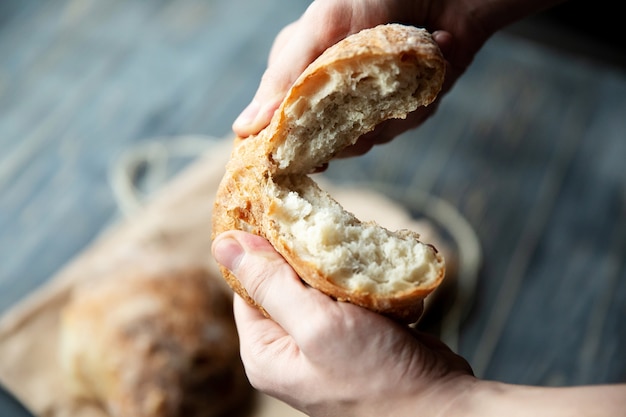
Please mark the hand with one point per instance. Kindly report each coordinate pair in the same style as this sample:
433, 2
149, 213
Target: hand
325, 357
326, 22
460, 27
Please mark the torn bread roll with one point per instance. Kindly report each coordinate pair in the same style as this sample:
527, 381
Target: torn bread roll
377, 74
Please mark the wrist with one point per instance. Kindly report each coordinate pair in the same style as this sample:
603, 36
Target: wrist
490, 398
441, 399
461, 398
452, 398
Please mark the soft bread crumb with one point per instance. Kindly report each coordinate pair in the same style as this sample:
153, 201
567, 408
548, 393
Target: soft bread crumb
387, 89
353, 255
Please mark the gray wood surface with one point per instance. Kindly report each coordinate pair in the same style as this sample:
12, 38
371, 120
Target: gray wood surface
530, 147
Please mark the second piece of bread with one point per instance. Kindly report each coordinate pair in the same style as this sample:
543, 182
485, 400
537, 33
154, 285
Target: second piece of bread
153, 344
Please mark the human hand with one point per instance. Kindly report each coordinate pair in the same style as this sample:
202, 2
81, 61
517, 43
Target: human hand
325, 357
326, 22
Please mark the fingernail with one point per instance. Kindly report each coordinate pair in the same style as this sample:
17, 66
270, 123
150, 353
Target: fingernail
444, 40
247, 116
228, 253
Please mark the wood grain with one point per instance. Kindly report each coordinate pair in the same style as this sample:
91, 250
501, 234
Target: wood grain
530, 146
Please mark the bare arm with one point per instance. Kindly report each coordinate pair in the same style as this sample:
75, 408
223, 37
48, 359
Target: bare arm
498, 399
330, 358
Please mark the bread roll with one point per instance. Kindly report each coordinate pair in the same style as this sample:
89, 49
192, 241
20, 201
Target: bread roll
153, 345
377, 74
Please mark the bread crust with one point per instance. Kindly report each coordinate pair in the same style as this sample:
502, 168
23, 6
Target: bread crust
153, 344
244, 201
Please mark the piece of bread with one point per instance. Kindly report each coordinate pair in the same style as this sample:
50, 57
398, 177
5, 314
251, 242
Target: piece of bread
377, 74
153, 345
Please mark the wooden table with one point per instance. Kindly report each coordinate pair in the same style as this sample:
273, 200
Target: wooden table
530, 147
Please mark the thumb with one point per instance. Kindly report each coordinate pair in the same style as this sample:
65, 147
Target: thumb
270, 282
260, 270
280, 74
295, 47
259, 112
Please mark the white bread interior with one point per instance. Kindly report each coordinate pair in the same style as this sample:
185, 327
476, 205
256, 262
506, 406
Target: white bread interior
341, 102
360, 257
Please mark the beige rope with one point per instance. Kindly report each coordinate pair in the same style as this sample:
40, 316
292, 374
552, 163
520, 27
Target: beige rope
156, 155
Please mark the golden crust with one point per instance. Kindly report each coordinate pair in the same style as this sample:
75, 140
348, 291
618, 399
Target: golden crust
243, 203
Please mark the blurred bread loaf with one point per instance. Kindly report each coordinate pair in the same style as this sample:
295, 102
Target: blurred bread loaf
153, 345
377, 74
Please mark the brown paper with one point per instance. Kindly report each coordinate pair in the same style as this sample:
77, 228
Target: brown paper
174, 228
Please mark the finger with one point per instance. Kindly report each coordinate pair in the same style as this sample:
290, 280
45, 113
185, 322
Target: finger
271, 90
445, 41
293, 50
267, 352
251, 321
257, 333
270, 280
322, 25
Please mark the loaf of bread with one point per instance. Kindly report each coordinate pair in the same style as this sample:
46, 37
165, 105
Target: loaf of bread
377, 74
153, 345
